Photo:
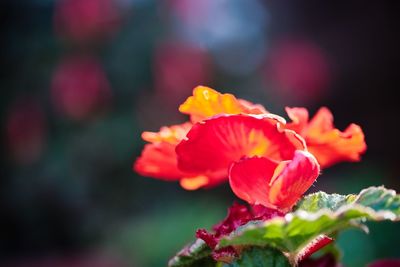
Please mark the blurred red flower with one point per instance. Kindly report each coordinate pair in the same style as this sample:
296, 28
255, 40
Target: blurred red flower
324, 141
179, 67
191, 13
80, 87
26, 130
88, 20
300, 70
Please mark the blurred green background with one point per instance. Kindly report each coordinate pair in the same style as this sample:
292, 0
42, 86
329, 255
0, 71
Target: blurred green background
81, 79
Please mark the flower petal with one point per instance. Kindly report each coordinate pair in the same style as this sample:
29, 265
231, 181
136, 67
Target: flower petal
158, 160
212, 145
195, 182
259, 180
321, 122
342, 146
250, 177
299, 117
170, 134
294, 180
250, 108
238, 215
207, 102
324, 141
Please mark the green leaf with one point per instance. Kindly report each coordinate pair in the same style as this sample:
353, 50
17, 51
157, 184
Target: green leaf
317, 214
380, 199
260, 257
195, 254
376, 198
321, 200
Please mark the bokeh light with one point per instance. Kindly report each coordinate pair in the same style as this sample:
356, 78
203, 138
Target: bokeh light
234, 31
300, 71
26, 130
80, 87
85, 21
179, 67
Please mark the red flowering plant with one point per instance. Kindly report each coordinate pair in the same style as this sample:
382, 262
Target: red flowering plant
270, 164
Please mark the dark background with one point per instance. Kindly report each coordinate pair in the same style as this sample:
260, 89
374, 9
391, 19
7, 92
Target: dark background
81, 79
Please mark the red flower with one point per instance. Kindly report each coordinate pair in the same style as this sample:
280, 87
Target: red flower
223, 130
324, 141
158, 158
268, 165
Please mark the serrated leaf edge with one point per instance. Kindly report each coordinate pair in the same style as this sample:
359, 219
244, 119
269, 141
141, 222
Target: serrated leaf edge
365, 213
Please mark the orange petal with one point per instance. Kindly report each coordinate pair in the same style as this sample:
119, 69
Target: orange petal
207, 102
299, 117
170, 134
212, 145
321, 123
250, 108
193, 183
328, 144
336, 146
158, 160
263, 181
